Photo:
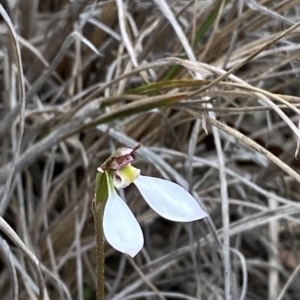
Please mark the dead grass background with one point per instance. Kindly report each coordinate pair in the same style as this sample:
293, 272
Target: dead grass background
211, 90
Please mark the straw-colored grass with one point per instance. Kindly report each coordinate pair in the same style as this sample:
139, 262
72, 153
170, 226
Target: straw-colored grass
210, 89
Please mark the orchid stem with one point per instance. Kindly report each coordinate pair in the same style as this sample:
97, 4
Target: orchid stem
98, 218
101, 194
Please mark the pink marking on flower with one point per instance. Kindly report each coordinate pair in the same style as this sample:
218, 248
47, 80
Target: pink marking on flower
120, 159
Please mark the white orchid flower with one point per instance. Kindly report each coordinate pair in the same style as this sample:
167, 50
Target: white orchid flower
169, 200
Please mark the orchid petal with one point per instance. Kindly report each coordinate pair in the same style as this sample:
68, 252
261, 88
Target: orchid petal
169, 200
121, 229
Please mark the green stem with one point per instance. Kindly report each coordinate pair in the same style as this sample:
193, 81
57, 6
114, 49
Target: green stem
101, 196
98, 218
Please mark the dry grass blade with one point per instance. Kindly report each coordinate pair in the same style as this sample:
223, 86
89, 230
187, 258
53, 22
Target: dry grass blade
236, 134
190, 54
182, 37
288, 283
248, 59
21, 86
245, 273
228, 276
7, 257
273, 260
145, 279
5, 228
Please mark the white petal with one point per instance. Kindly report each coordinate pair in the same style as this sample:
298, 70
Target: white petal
121, 229
169, 200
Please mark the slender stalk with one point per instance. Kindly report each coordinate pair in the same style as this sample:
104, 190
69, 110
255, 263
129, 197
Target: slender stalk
98, 218
101, 195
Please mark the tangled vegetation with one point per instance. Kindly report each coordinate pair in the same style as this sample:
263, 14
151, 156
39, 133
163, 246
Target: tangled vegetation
210, 88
